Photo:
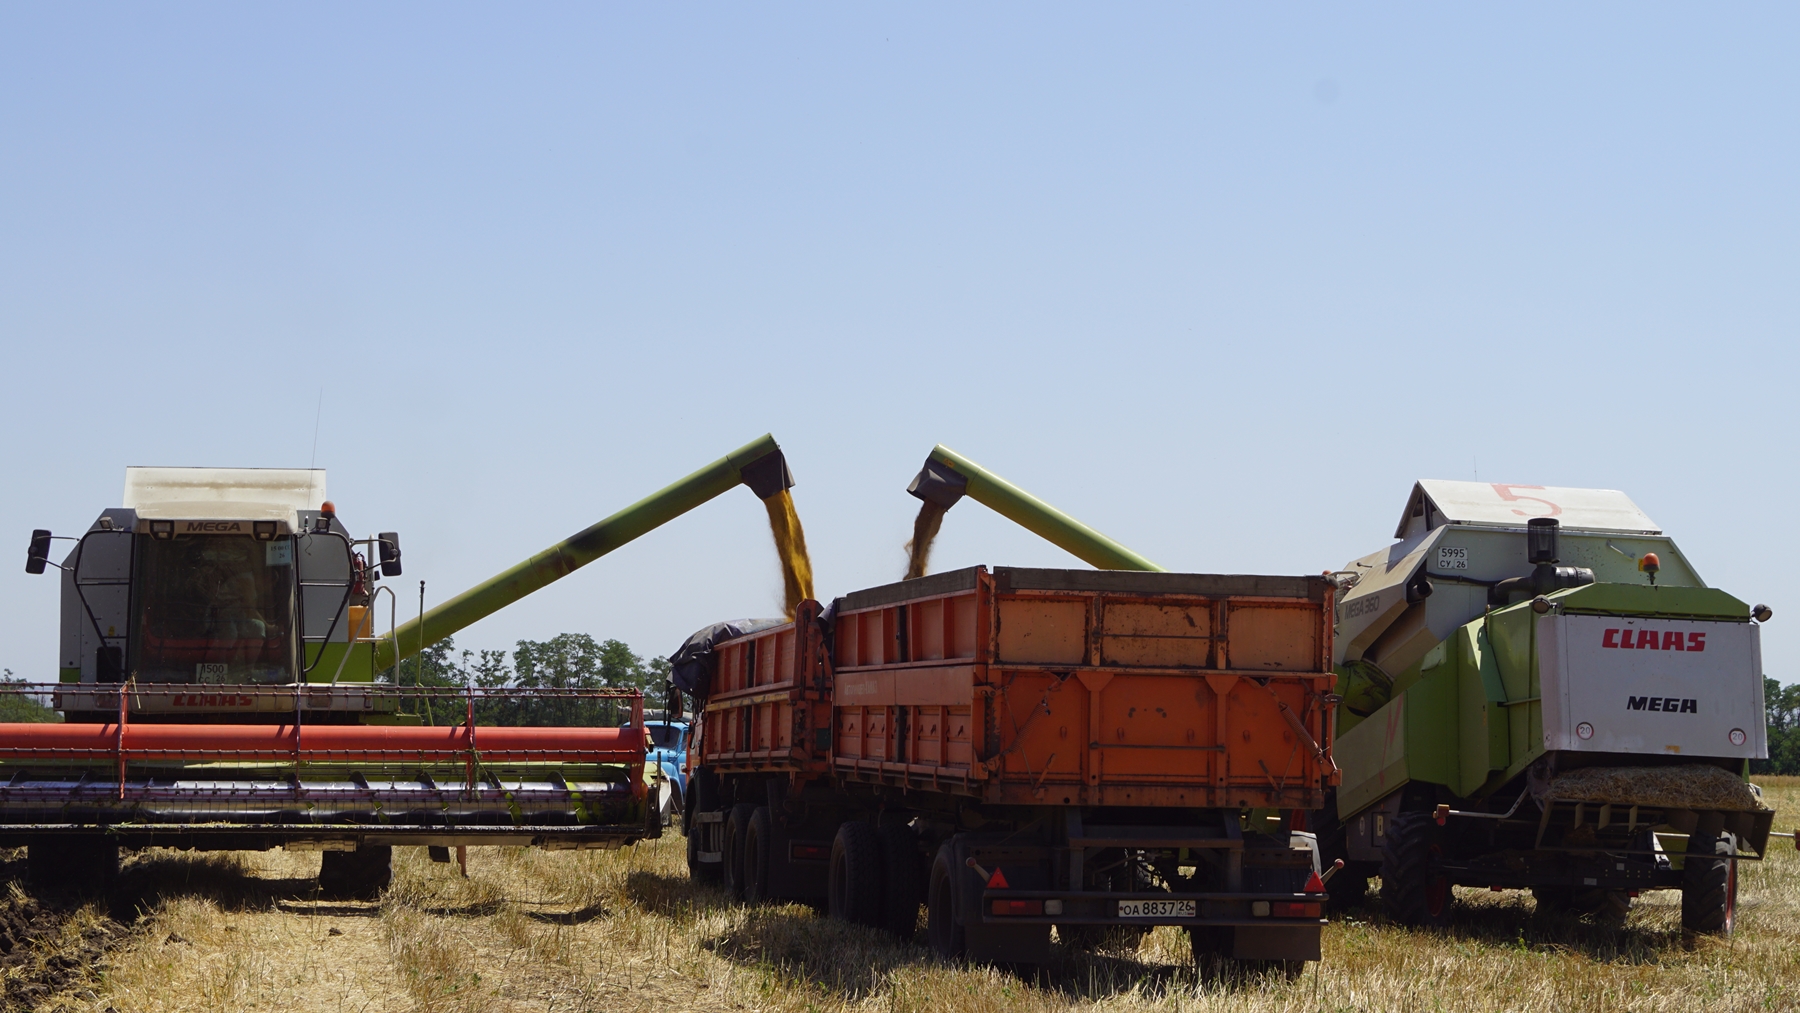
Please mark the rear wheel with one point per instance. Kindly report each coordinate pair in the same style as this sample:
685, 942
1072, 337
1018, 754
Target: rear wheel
756, 857
1413, 890
356, 875
941, 927
901, 889
1709, 885
856, 871
737, 825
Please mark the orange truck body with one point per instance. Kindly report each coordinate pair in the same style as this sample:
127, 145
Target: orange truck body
1019, 749
1043, 687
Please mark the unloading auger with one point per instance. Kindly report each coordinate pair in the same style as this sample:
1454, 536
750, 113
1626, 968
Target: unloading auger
948, 476
222, 688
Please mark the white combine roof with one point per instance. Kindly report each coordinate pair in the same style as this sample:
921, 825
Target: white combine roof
1435, 502
236, 494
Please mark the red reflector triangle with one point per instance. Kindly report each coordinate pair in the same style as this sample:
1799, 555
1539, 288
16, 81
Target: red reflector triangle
998, 881
1313, 884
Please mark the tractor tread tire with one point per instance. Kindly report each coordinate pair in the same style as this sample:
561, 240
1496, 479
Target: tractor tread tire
1412, 891
1709, 886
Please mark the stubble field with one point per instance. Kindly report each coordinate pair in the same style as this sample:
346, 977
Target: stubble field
626, 931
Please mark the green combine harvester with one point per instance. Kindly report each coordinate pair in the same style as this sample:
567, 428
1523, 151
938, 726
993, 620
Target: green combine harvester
1539, 692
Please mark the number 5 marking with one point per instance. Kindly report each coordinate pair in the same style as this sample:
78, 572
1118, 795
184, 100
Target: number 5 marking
1506, 494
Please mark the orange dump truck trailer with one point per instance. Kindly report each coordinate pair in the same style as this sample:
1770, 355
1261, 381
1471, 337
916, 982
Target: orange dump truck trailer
1018, 749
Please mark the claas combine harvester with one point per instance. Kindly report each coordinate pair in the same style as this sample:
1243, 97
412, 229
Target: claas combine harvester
1541, 693
222, 687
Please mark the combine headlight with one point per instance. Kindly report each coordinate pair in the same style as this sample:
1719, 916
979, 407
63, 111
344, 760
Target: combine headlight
162, 529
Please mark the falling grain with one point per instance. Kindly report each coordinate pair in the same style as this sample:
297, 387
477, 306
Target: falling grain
790, 548
925, 530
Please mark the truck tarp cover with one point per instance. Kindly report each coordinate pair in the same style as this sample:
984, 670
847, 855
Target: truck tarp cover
691, 667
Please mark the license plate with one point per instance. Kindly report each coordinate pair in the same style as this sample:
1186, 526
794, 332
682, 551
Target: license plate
1156, 909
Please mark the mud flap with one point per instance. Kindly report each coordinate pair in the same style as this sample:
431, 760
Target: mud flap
1275, 942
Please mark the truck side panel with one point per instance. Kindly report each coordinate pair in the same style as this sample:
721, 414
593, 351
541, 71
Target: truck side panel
1127, 696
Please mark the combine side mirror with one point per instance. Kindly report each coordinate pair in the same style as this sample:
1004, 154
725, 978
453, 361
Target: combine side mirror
389, 547
39, 553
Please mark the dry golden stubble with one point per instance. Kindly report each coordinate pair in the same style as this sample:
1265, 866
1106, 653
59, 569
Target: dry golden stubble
626, 931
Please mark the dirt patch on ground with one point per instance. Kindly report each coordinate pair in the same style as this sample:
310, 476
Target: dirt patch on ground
49, 945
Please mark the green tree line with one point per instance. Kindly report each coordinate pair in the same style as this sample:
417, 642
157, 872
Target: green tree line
1783, 706
571, 661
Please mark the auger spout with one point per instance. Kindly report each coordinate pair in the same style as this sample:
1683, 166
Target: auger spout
948, 476
758, 464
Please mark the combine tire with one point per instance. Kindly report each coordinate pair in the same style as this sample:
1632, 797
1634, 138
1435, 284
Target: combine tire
856, 871
1413, 891
756, 857
901, 889
78, 865
737, 826
942, 928
356, 875
1709, 885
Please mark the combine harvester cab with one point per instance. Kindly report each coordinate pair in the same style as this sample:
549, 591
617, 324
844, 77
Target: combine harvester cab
1021, 749
223, 688
1541, 693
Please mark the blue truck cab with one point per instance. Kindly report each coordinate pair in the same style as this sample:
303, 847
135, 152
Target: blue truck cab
668, 754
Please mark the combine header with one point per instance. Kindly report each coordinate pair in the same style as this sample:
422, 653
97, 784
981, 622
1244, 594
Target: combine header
223, 688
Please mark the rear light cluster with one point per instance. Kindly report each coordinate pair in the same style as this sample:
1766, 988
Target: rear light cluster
1295, 909
1028, 908
798, 852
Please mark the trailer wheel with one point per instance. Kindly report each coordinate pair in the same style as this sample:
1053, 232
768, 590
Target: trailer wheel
855, 886
901, 891
942, 928
1413, 891
756, 857
1709, 885
356, 875
737, 824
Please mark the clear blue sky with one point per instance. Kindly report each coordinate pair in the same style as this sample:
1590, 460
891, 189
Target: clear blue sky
1222, 281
